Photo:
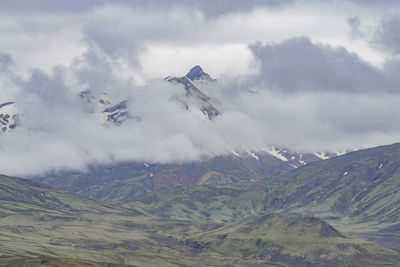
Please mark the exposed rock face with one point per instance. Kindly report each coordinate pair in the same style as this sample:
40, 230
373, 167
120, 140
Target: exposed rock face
195, 100
118, 113
106, 109
197, 73
9, 119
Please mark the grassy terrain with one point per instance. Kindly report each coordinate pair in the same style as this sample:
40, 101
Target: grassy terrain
293, 240
51, 262
66, 230
21, 196
358, 192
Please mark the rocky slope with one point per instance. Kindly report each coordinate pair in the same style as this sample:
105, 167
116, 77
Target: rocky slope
195, 100
9, 116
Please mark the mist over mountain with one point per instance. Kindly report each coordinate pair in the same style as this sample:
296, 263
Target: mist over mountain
291, 88
72, 124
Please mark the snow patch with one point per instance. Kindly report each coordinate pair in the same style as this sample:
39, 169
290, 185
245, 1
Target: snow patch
197, 111
276, 153
253, 155
341, 152
235, 153
321, 155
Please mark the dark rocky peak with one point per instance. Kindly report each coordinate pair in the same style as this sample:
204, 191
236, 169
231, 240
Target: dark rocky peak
194, 99
197, 73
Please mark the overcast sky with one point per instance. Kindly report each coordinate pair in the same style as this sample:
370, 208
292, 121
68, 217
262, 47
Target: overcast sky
307, 75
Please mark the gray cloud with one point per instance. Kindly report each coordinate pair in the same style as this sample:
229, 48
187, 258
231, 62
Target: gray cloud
5, 62
355, 25
208, 7
7, 76
45, 89
59, 133
387, 35
386, 3
94, 71
299, 65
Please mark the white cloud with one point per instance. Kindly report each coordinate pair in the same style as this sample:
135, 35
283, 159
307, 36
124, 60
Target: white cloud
59, 32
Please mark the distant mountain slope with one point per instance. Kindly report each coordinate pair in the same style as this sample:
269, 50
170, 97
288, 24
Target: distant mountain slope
363, 184
116, 182
359, 190
120, 181
28, 197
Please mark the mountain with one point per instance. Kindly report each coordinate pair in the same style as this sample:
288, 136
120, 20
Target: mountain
197, 74
113, 110
107, 110
195, 100
115, 182
123, 180
51, 227
357, 192
29, 197
9, 117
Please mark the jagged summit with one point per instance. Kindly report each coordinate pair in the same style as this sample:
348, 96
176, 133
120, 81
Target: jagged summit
197, 73
195, 100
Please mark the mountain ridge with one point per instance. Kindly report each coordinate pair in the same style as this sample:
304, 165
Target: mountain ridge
357, 191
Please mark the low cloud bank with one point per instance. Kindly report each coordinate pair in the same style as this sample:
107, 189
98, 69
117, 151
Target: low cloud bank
331, 102
298, 93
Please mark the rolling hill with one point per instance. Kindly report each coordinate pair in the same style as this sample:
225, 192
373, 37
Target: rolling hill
41, 225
